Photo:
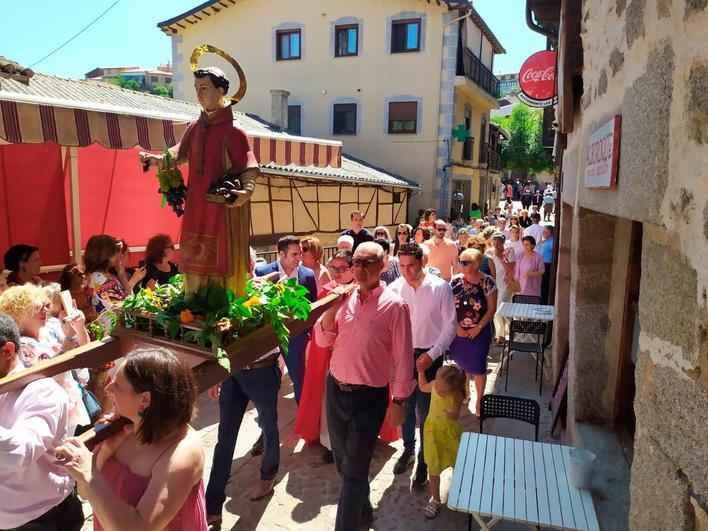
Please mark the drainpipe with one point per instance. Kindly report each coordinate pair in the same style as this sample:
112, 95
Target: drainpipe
548, 33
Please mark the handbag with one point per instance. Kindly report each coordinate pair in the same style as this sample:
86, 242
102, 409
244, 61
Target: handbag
91, 403
514, 286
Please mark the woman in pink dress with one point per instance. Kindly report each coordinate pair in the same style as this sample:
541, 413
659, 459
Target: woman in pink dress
529, 268
150, 475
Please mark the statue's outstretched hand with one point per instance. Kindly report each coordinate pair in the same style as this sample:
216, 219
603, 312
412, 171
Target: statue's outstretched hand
150, 159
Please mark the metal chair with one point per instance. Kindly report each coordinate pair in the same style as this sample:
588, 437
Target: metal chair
510, 407
536, 328
526, 299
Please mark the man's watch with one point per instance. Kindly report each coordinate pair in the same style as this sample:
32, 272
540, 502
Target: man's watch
400, 402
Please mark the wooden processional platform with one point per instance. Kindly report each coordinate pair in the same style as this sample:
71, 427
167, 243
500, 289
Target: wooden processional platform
206, 370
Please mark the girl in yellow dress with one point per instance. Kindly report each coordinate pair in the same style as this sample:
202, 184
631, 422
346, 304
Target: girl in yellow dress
442, 429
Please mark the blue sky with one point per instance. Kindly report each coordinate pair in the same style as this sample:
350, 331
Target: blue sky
127, 34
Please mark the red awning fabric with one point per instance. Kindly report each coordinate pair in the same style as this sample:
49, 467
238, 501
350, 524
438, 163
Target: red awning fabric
32, 202
31, 119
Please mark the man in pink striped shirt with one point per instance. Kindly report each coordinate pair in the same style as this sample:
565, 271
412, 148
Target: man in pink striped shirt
370, 332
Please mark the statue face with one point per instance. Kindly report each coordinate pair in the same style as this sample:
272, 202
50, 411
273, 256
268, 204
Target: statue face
209, 97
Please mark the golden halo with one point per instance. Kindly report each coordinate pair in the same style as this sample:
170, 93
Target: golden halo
208, 48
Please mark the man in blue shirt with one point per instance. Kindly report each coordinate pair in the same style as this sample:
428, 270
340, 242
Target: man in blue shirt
546, 251
358, 232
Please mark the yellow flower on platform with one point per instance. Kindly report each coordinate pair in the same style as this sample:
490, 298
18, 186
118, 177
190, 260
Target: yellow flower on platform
280, 288
185, 316
253, 301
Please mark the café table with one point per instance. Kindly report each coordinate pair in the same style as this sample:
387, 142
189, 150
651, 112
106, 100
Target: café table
533, 312
501, 478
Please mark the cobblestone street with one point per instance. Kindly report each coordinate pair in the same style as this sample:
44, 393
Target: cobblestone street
307, 490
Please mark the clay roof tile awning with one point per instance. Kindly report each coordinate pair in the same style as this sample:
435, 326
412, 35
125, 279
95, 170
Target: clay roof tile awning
76, 113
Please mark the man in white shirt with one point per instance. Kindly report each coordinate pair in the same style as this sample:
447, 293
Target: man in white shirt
536, 229
35, 491
443, 251
433, 323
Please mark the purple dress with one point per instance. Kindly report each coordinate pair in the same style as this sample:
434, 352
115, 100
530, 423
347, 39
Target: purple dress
471, 304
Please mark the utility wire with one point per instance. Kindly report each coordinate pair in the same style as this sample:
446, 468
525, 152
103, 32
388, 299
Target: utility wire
79, 33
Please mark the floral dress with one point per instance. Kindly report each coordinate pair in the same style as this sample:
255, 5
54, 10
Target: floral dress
441, 435
46, 346
471, 304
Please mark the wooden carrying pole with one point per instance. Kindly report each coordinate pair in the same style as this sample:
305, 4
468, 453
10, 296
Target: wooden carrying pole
207, 373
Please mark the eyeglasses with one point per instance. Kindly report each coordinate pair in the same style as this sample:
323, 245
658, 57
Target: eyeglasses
340, 270
440, 230
365, 262
402, 233
464, 263
382, 234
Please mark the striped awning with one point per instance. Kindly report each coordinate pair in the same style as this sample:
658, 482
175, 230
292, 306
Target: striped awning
33, 120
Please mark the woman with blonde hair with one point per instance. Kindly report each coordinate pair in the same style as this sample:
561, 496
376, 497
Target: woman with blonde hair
312, 252
30, 307
476, 302
479, 243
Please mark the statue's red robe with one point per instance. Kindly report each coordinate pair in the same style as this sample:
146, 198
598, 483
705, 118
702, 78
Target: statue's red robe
212, 145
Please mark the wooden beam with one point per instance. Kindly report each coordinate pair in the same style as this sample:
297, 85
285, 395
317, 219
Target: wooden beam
207, 373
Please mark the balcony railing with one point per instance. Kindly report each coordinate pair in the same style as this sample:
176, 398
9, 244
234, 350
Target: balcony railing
487, 154
472, 68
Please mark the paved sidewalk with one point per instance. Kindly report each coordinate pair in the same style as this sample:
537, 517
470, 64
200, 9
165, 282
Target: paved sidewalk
307, 490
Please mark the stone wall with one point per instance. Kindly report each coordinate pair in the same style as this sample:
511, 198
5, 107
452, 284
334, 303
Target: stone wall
648, 61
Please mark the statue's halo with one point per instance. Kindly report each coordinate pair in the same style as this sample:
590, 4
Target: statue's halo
208, 48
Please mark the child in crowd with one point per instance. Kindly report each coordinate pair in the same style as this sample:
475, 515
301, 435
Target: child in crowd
442, 429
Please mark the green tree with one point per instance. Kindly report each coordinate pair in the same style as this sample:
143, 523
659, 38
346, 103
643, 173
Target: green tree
524, 151
122, 82
162, 90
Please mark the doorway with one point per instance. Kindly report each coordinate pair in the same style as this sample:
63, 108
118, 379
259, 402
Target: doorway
624, 419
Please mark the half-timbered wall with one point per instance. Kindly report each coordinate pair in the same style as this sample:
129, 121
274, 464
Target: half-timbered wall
283, 205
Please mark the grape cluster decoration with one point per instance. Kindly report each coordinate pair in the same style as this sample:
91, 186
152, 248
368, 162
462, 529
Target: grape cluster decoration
172, 185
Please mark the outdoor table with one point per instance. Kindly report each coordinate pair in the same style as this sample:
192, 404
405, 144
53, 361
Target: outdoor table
501, 478
533, 312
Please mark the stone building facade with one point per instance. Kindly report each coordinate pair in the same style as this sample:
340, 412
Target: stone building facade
632, 273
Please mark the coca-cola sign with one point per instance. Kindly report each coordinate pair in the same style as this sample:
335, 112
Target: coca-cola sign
537, 80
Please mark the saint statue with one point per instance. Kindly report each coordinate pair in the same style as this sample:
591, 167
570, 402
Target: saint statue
215, 233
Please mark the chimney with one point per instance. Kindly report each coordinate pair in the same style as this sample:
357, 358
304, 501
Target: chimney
279, 107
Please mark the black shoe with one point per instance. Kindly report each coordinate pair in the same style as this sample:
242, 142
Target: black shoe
421, 476
328, 457
258, 447
404, 462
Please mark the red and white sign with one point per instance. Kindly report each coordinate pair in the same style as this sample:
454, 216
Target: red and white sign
537, 80
602, 160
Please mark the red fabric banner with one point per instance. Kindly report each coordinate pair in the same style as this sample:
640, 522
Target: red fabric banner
32, 204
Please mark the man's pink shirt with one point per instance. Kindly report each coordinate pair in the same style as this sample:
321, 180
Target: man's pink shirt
372, 342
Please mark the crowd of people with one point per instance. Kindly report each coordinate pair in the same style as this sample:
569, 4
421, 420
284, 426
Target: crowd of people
413, 326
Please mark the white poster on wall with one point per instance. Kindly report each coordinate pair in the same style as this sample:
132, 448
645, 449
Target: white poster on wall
602, 161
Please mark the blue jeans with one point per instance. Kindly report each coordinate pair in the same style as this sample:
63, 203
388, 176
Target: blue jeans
295, 362
261, 387
418, 402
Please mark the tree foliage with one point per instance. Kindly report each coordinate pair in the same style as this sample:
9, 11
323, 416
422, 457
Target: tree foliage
524, 151
162, 90
122, 82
